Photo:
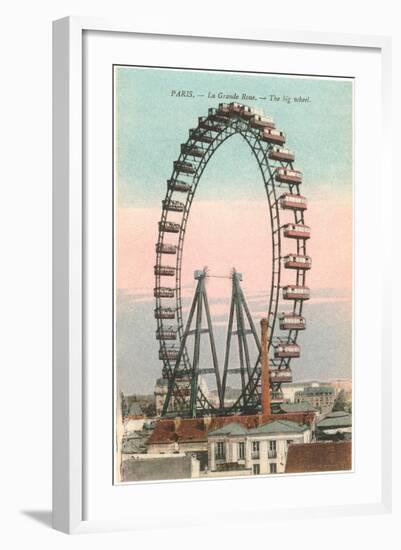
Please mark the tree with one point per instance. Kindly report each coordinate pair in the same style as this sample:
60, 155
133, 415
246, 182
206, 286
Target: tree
340, 402
149, 410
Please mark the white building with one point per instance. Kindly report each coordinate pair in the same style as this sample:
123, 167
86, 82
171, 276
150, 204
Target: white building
261, 450
321, 397
289, 390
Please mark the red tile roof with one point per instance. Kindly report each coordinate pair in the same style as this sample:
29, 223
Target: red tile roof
196, 429
319, 457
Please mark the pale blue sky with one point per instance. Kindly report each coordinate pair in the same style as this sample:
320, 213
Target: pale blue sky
151, 125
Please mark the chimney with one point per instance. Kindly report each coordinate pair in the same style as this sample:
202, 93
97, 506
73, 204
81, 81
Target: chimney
265, 370
177, 422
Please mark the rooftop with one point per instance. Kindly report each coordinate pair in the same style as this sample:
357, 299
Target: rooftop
197, 429
315, 390
134, 409
302, 406
272, 427
279, 426
133, 446
319, 457
229, 429
305, 383
338, 419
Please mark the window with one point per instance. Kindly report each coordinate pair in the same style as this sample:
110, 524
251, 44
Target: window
241, 450
273, 468
255, 449
256, 469
272, 452
220, 449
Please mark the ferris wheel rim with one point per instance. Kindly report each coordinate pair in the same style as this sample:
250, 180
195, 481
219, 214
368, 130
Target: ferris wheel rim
233, 127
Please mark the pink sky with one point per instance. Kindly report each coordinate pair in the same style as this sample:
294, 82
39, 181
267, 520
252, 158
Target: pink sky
223, 235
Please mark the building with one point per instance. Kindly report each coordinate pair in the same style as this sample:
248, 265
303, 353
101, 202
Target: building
151, 467
290, 389
134, 419
133, 445
259, 450
190, 435
187, 436
321, 397
327, 456
135, 411
335, 426
130, 407
133, 442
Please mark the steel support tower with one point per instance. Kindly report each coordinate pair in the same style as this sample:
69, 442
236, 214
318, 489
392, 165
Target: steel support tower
184, 395
240, 324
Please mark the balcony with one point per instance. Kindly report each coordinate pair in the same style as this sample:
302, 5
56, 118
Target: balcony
255, 455
272, 453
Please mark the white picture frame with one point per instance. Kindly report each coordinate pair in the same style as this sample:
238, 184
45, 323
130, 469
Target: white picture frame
70, 428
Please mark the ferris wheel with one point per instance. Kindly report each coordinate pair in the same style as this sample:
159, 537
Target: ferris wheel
288, 287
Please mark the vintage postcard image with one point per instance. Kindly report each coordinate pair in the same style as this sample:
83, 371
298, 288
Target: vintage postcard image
232, 274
